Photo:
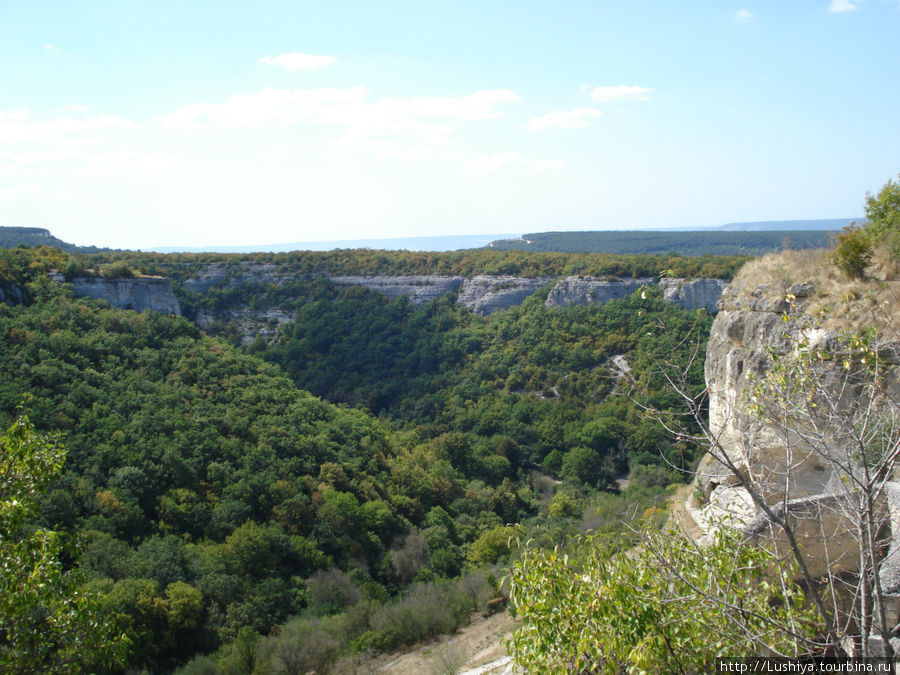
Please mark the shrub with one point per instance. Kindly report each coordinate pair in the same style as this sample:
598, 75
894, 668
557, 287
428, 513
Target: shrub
117, 270
854, 252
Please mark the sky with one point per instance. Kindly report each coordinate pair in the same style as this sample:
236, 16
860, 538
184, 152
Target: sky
136, 124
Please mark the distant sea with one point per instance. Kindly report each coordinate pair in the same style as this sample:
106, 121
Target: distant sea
457, 242
445, 243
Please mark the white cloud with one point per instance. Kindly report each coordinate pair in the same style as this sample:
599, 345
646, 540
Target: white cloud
839, 6
743, 15
53, 49
266, 106
394, 126
18, 126
74, 162
297, 61
564, 119
19, 192
512, 162
619, 93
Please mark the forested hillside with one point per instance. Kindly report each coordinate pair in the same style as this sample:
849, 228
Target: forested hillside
207, 497
691, 243
179, 266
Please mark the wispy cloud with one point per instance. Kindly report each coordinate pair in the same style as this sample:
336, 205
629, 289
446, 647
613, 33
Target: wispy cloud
839, 6
512, 162
19, 192
76, 162
53, 49
18, 126
564, 119
416, 123
743, 15
617, 93
297, 61
74, 145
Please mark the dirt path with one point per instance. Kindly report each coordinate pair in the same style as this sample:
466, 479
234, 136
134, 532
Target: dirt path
470, 648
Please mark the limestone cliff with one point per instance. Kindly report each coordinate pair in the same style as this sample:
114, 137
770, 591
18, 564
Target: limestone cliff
486, 294
788, 461
10, 294
482, 294
590, 291
693, 294
137, 293
418, 288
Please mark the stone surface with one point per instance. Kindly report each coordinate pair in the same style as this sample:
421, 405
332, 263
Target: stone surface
486, 294
482, 294
693, 294
580, 290
10, 294
137, 293
419, 288
752, 329
250, 322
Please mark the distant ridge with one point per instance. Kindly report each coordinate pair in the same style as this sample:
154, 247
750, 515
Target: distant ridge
768, 225
11, 237
661, 242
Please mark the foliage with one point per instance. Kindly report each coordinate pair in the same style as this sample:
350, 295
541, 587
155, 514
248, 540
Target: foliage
11, 237
883, 214
854, 252
467, 263
667, 606
117, 270
719, 243
47, 622
213, 500
836, 405
858, 244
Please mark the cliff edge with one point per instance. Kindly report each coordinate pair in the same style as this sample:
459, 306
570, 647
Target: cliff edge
798, 454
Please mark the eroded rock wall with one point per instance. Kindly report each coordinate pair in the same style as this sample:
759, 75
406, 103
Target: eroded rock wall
137, 293
788, 462
419, 288
486, 294
579, 290
693, 294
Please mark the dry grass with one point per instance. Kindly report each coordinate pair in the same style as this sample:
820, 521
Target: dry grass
843, 303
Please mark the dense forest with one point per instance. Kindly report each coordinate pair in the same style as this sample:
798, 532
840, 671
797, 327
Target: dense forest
357, 483
691, 243
179, 266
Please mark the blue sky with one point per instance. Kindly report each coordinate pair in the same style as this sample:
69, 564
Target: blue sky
142, 124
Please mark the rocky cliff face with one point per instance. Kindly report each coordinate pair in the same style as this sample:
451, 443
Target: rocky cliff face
693, 294
10, 294
690, 294
748, 332
418, 288
486, 294
591, 291
482, 294
137, 293
786, 461
229, 276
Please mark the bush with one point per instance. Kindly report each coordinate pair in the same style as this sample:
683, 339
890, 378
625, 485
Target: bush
854, 252
117, 270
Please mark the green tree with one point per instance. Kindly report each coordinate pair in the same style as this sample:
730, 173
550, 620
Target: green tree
854, 252
667, 606
47, 622
883, 213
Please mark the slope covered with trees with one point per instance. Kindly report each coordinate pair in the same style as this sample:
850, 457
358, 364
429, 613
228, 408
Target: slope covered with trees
207, 498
